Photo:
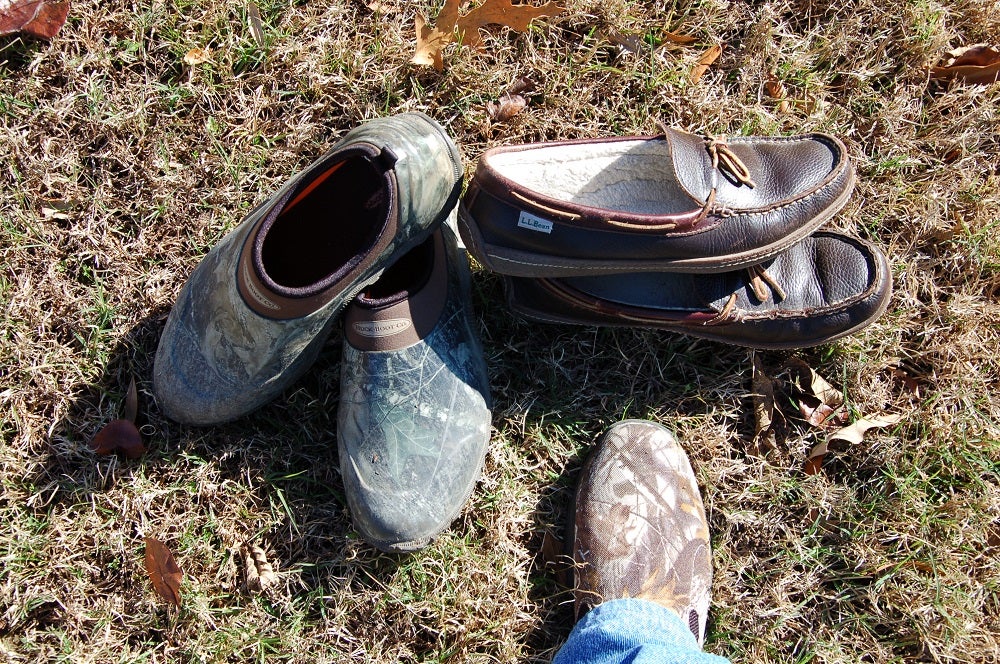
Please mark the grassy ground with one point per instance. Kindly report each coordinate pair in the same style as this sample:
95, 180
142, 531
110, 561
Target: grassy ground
123, 166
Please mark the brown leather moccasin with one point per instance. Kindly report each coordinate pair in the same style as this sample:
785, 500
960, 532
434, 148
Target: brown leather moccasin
823, 288
676, 202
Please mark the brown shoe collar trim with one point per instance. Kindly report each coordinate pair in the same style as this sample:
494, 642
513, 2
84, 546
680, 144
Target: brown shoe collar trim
704, 214
503, 188
268, 299
396, 323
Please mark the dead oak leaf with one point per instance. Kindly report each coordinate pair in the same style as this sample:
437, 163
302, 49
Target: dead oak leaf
502, 12
38, 18
979, 63
431, 39
164, 573
381, 7
776, 90
53, 213
119, 436
555, 559
131, 402
197, 56
704, 62
821, 388
506, 107
763, 401
909, 383
677, 38
852, 435
624, 41
522, 86
254, 23
450, 26
819, 414
815, 390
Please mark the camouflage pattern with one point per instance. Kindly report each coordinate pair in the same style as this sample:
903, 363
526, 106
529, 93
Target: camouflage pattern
640, 529
218, 359
414, 423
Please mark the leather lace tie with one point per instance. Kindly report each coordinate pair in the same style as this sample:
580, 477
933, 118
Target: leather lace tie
760, 281
723, 159
764, 287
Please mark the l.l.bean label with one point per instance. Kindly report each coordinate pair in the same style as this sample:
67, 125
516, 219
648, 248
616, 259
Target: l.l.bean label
533, 223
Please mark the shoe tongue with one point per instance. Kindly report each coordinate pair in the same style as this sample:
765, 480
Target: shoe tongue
692, 164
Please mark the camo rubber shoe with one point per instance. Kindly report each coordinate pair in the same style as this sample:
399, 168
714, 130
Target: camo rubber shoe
640, 529
256, 311
414, 416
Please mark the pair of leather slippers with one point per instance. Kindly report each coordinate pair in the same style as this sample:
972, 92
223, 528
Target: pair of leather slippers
713, 238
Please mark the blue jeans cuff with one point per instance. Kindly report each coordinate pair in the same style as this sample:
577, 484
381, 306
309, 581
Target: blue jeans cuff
632, 631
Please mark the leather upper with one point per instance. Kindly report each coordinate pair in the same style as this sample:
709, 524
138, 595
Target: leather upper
706, 219
823, 288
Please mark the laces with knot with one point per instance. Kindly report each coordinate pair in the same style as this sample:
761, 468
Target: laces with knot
723, 159
764, 287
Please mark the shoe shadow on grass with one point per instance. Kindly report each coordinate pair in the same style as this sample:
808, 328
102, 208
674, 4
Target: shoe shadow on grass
270, 479
556, 388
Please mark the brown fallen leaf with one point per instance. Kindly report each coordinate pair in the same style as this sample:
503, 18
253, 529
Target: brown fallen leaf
677, 38
254, 23
119, 436
163, 571
197, 56
506, 107
704, 62
763, 399
776, 90
770, 424
450, 26
819, 414
131, 410
979, 63
502, 12
381, 8
554, 558
819, 402
852, 434
37, 18
53, 213
431, 39
260, 573
910, 384
810, 382
630, 43
521, 86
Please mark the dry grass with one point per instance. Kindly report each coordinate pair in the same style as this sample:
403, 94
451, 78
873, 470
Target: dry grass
890, 555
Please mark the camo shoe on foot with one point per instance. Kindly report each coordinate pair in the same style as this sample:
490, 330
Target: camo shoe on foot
640, 529
414, 417
257, 309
